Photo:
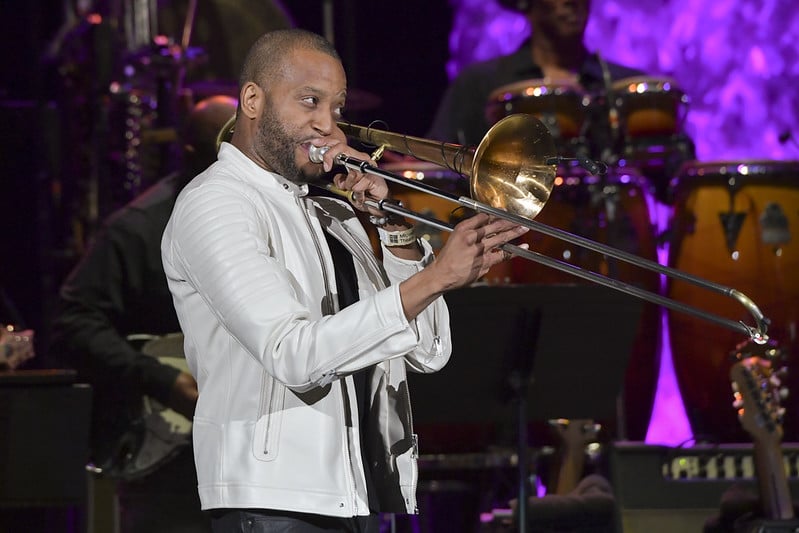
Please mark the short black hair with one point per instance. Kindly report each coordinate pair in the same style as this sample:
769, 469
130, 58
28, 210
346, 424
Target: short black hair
266, 56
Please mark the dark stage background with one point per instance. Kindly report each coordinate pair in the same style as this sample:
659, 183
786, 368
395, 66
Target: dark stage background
395, 59
742, 109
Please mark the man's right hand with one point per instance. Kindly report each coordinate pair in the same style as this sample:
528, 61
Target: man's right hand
470, 251
473, 248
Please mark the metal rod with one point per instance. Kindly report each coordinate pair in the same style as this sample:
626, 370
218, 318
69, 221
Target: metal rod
756, 333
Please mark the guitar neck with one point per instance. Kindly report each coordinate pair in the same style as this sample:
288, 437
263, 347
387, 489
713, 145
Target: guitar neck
571, 469
774, 492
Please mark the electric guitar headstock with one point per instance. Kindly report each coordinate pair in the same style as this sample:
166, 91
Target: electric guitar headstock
575, 434
758, 390
16, 347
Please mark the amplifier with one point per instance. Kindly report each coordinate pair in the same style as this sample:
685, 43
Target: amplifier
664, 489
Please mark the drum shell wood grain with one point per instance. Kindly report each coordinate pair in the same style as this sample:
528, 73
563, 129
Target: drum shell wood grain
761, 260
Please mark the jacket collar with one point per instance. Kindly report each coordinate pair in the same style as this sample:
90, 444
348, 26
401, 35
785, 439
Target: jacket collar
256, 175
331, 214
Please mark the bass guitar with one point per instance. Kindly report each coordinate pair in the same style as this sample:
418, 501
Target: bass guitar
575, 435
757, 391
159, 433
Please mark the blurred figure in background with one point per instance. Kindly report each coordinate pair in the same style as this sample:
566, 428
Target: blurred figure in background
593, 107
555, 53
117, 290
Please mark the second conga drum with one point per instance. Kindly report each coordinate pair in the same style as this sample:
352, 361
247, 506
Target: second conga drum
649, 107
735, 223
651, 116
560, 105
613, 210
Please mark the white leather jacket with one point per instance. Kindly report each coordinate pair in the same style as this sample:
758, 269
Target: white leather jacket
276, 425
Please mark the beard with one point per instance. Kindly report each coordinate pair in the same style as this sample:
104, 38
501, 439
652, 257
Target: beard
276, 145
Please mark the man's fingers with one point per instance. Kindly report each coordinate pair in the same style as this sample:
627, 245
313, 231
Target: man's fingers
498, 238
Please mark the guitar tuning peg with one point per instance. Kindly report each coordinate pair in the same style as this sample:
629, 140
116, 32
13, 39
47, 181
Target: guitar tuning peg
774, 353
784, 393
734, 386
738, 403
775, 380
591, 427
780, 413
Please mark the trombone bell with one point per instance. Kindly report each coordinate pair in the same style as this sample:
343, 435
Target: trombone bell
507, 170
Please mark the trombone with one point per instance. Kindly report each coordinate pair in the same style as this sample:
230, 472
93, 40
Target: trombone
511, 175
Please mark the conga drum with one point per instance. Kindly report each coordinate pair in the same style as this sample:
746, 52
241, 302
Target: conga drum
734, 223
613, 210
560, 105
651, 116
649, 106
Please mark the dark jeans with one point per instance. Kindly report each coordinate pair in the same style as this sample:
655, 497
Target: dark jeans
263, 521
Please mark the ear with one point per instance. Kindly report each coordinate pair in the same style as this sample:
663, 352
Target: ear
252, 99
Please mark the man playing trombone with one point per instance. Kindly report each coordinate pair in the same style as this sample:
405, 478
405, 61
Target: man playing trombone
299, 338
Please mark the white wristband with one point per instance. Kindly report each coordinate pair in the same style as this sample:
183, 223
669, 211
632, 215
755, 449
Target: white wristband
397, 238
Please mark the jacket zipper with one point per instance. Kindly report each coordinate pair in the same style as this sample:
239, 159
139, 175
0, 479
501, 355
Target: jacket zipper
268, 410
329, 296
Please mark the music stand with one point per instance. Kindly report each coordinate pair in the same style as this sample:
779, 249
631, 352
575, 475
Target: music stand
561, 349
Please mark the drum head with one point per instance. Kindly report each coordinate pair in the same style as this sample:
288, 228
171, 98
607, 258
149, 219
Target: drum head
430, 173
736, 173
645, 85
649, 105
560, 104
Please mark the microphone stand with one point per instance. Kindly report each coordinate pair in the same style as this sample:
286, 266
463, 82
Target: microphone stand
610, 152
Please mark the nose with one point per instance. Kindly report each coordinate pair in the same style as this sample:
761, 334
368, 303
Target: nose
323, 122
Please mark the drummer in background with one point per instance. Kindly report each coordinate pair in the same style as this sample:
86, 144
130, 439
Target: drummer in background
555, 52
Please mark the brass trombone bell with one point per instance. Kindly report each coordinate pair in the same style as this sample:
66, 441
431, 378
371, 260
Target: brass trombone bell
507, 170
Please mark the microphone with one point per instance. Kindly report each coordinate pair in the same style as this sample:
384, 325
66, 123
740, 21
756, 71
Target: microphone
595, 168
613, 111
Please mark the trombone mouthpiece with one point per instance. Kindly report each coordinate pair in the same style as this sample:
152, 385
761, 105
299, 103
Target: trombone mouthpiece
316, 153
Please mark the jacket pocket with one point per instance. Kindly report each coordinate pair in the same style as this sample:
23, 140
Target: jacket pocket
270, 416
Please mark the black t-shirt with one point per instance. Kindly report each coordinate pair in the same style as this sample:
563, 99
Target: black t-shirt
347, 283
